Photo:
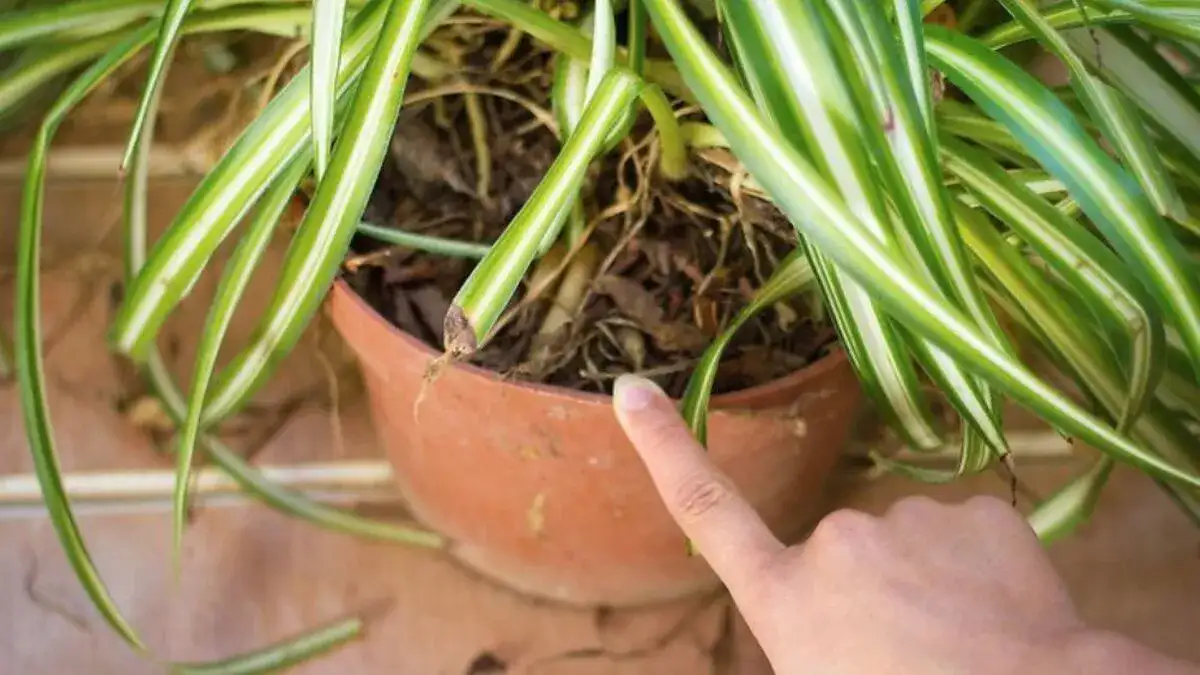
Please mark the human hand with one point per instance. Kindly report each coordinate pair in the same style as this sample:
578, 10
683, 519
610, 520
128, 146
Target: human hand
928, 588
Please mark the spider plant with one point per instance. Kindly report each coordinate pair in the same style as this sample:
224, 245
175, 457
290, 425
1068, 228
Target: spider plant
947, 205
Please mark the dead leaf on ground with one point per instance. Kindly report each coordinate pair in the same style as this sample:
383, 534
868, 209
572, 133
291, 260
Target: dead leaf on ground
641, 307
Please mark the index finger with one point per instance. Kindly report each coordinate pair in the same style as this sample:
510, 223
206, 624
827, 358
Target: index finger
708, 507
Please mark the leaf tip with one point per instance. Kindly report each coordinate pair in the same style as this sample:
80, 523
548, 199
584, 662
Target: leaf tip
460, 341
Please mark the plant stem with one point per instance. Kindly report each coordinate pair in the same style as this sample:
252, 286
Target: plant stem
673, 162
576, 223
424, 242
483, 296
637, 37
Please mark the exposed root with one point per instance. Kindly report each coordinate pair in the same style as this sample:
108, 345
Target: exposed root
275, 74
506, 50
539, 112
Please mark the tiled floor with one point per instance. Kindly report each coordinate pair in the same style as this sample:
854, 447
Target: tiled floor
251, 576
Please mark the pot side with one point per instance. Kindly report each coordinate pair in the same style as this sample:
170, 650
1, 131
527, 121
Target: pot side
538, 488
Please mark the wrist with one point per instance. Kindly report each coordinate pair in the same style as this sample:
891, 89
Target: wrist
1099, 652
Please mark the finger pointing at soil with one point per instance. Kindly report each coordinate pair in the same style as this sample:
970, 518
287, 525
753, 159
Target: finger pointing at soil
706, 504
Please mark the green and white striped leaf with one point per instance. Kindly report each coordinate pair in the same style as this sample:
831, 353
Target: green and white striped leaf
818, 212
39, 22
974, 456
1176, 18
164, 49
328, 18
909, 14
227, 193
1111, 110
1131, 64
234, 280
283, 655
793, 275
39, 66
792, 58
1062, 15
970, 124
604, 46
324, 234
487, 291
82, 20
134, 224
796, 85
575, 80
900, 133
250, 480
29, 357
568, 93
1062, 512
229, 189
1047, 312
1104, 191
1127, 317
905, 154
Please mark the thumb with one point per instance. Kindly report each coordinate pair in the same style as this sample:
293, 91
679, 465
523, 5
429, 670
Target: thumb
706, 504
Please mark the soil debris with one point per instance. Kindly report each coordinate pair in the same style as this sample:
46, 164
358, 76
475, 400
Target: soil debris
639, 305
670, 263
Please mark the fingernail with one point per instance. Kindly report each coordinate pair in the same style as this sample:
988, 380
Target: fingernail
633, 393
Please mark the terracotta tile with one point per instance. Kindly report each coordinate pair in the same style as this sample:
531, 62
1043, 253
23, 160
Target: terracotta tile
251, 576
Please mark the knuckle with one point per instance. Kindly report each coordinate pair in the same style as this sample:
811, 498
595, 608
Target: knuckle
700, 495
915, 506
989, 507
842, 529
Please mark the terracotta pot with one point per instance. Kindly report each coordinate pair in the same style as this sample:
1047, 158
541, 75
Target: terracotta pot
539, 489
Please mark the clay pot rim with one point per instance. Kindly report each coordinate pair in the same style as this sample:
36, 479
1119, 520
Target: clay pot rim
790, 382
